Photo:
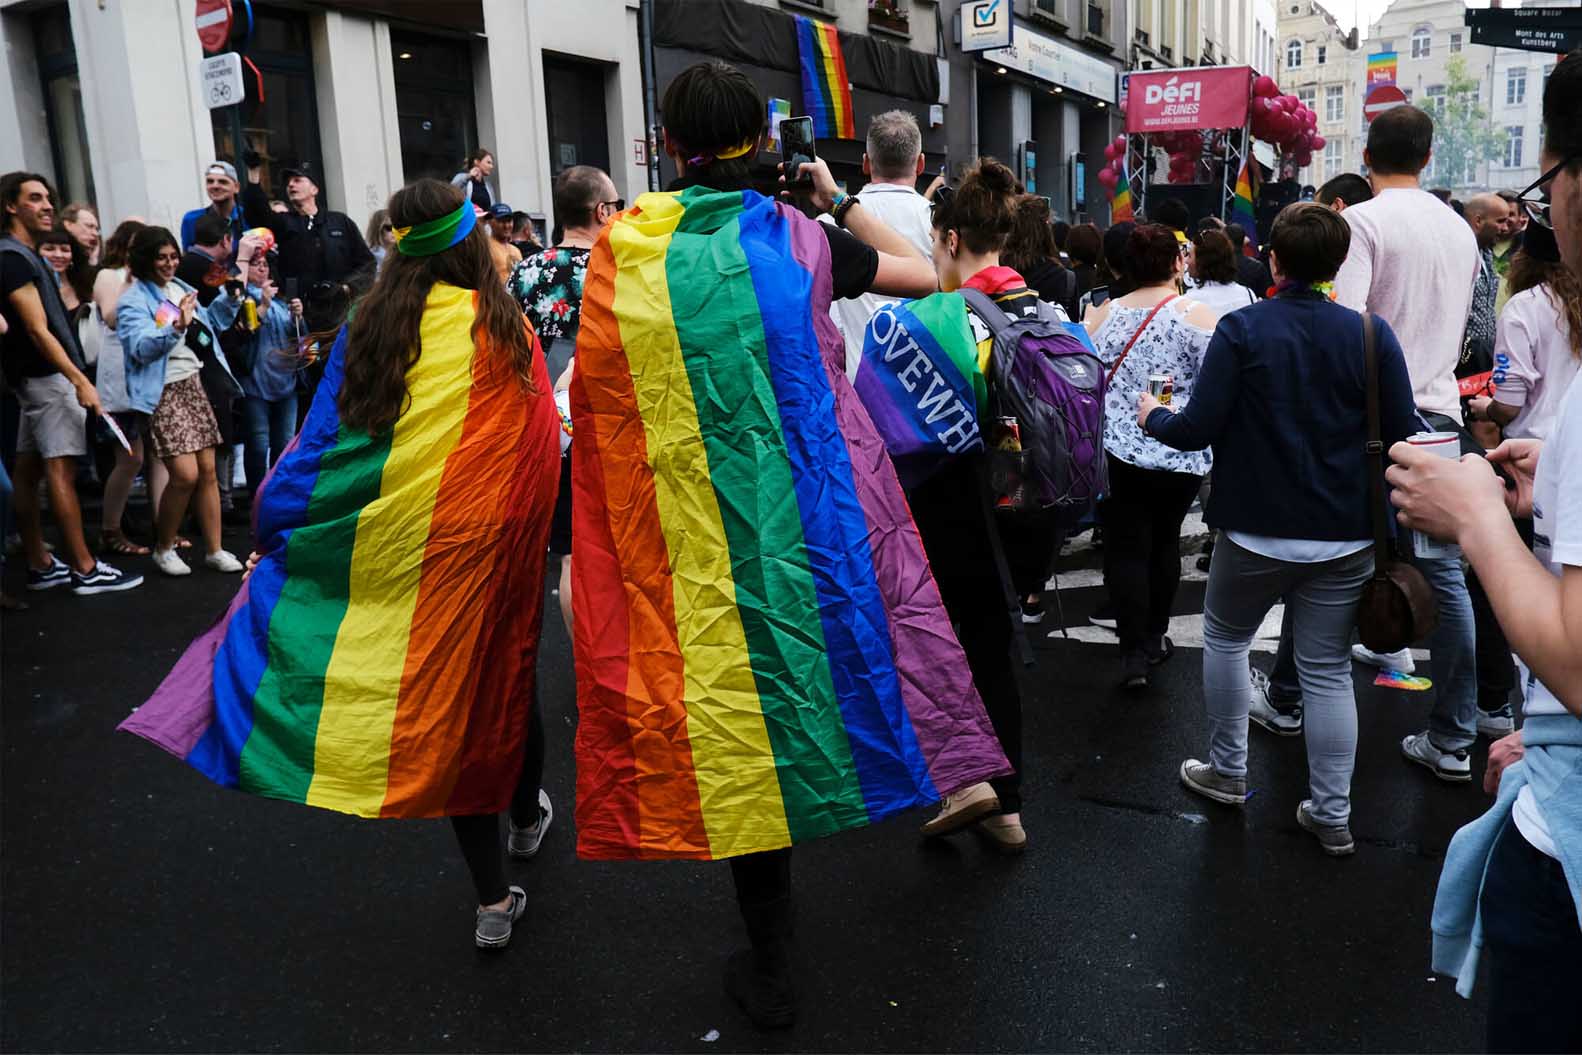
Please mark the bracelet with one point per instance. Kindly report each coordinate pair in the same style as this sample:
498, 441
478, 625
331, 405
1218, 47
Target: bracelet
843, 205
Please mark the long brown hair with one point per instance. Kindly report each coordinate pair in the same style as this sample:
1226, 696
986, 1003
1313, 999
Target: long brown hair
1032, 239
384, 338
1565, 291
115, 247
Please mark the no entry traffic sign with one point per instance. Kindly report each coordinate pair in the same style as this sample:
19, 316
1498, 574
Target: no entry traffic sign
214, 24
1384, 97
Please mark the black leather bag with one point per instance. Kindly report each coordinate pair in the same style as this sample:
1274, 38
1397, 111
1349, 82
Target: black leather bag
1397, 605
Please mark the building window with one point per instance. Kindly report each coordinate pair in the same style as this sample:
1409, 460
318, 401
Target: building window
283, 128
1422, 43
1332, 158
1433, 97
1513, 146
1323, 54
1516, 86
434, 104
1455, 43
1335, 103
1307, 96
1293, 55
68, 127
892, 15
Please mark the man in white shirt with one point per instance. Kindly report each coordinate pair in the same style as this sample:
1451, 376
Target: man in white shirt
1413, 263
892, 163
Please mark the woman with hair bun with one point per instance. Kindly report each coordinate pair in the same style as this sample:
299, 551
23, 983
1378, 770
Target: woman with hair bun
1149, 331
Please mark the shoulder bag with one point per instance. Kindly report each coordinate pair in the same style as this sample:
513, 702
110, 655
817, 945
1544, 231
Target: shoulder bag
1397, 605
1128, 350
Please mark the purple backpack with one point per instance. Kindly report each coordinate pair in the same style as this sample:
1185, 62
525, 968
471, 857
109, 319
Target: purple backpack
1044, 430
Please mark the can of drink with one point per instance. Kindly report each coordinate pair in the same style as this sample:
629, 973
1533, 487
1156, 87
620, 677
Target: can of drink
250, 313
1162, 386
1010, 434
1446, 445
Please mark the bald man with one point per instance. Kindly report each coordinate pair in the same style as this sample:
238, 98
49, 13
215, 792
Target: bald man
1488, 215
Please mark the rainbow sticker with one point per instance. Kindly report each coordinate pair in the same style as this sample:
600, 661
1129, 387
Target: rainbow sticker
1394, 679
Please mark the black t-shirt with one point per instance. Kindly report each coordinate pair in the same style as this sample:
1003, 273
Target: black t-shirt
21, 356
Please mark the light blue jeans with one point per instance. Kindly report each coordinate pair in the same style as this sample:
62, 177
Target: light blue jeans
1453, 723
1321, 600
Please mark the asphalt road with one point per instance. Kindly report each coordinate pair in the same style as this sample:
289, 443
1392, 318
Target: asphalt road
144, 909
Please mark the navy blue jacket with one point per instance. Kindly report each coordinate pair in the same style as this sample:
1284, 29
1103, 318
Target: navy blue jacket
1282, 399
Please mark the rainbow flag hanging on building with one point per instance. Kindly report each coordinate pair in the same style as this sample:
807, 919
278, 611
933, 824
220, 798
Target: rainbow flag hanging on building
826, 90
1121, 208
1381, 69
380, 659
762, 654
1242, 210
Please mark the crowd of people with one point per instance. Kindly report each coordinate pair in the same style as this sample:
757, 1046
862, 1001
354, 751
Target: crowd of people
1371, 322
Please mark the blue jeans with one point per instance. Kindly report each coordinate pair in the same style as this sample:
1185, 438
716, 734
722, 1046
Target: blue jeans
270, 426
1453, 723
1322, 600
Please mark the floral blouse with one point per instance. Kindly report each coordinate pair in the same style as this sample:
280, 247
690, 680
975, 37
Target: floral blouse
548, 285
1170, 345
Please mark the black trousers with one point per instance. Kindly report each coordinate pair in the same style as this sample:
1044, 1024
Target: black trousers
1533, 943
953, 522
1142, 518
479, 834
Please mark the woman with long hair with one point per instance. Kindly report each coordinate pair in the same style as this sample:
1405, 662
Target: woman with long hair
114, 279
380, 659
1538, 345
165, 335
1148, 331
1031, 251
380, 236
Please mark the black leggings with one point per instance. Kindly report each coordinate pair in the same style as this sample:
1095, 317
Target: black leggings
953, 523
1142, 547
479, 834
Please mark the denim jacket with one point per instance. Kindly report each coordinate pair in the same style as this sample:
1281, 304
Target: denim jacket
274, 374
147, 345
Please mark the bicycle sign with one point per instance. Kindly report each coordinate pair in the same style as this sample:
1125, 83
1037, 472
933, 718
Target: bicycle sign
221, 77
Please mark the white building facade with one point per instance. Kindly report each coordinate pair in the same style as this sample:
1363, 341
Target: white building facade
1315, 64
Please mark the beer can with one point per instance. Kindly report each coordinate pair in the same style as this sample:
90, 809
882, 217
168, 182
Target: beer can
1162, 387
1446, 445
250, 313
1010, 434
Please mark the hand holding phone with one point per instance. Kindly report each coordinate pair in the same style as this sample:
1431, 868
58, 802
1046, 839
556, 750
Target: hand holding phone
796, 146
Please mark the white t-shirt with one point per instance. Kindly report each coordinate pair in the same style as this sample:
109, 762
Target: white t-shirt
181, 362
1557, 542
908, 214
1533, 364
1223, 297
1413, 262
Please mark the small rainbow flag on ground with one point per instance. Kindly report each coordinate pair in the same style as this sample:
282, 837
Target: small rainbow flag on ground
380, 658
762, 654
1241, 207
826, 90
1121, 209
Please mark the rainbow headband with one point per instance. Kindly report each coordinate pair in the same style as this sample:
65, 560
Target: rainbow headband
438, 235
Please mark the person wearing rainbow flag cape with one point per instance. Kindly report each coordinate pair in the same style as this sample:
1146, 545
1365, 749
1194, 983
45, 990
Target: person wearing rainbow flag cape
380, 657
763, 657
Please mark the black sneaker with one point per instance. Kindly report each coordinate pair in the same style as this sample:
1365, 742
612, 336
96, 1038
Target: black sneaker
104, 579
1134, 670
57, 574
1104, 616
1158, 653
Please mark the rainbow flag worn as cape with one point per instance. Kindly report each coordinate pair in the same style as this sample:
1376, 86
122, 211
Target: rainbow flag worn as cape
380, 658
762, 654
1121, 209
826, 90
1241, 206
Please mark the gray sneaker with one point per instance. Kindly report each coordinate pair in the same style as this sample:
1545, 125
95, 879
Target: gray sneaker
1334, 839
524, 842
1201, 778
1496, 723
1453, 766
494, 925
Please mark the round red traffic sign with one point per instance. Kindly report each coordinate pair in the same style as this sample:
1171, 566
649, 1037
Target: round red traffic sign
1384, 97
214, 24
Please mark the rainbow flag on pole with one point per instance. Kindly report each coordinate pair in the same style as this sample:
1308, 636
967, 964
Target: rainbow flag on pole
1241, 206
826, 90
762, 654
380, 658
1121, 208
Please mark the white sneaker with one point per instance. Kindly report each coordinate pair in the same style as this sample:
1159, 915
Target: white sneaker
223, 560
1401, 661
1454, 766
1263, 712
524, 842
167, 561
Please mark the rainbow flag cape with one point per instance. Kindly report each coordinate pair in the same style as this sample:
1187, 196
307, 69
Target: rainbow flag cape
380, 658
1241, 206
1121, 208
762, 654
826, 90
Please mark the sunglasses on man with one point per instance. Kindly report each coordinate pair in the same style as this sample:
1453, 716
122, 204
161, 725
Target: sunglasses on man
1535, 199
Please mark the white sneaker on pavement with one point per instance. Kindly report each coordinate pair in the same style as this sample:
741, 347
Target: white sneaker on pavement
223, 560
1401, 661
1454, 766
167, 561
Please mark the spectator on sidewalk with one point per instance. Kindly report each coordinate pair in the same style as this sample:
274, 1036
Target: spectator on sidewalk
222, 187
82, 223
380, 236
473, 180
1413, 263
502, 227
1291, 503
43, 364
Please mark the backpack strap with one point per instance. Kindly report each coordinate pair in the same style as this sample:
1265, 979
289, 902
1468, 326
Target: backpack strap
989, 313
